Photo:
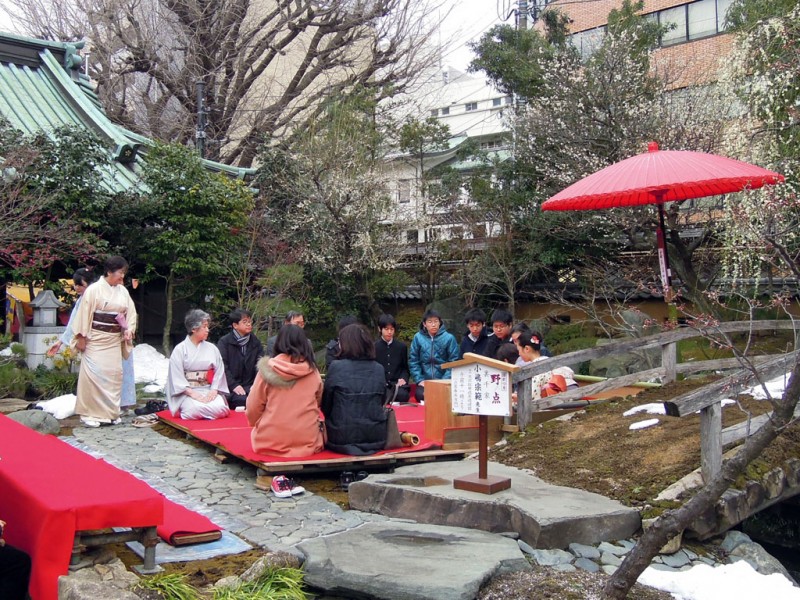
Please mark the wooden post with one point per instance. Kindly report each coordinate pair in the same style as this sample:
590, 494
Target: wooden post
483, 446
669, 361
524, 406
710, 441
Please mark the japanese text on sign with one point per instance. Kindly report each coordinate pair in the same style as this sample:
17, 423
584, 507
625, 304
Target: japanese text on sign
478, 389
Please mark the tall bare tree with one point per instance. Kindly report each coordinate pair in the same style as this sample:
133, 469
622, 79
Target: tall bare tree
264, 65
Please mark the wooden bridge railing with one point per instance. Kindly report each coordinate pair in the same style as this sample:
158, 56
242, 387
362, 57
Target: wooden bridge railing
707, 400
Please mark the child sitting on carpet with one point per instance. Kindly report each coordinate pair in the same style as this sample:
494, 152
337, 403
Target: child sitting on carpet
283, 405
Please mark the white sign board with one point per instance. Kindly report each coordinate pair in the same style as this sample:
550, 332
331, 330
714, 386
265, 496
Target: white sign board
479, 389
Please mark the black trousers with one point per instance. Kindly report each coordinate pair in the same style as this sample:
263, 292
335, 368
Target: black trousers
237, 400
419, 393
15, 572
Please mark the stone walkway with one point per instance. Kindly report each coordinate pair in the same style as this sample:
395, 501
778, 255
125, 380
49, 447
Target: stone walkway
317, 530
224, 492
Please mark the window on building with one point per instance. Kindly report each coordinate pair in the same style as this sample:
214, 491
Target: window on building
497, 101
445, 110
675, 19
412, 237
435, 112
471, 106
403, 190
702, 19
588, 41
431, 235
722, 14
687, 22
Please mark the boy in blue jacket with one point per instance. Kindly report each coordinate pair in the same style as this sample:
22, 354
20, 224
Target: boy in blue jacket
431, 347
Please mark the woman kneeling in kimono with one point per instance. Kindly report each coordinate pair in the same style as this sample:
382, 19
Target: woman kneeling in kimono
196, 376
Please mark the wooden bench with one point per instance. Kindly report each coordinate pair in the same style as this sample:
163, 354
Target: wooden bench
57, 499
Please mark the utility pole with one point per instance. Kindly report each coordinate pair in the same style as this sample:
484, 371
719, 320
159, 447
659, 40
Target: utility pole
522, 14
200, 132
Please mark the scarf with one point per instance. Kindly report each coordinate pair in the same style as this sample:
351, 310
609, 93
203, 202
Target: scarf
241, 340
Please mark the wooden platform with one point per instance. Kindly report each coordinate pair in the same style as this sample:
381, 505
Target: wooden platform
238, 446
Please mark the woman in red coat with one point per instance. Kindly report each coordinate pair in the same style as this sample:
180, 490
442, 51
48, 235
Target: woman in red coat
283, 404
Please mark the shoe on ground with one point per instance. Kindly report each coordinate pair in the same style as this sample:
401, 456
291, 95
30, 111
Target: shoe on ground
281, 486
345, 479
117, 421
361, 475
87, 422
152, 406
145, 421
296, 489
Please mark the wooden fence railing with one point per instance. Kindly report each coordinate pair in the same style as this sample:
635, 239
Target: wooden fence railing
707, 400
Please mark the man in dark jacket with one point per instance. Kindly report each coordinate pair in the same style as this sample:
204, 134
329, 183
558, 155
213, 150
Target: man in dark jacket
501, 332
332, 347
240, 351
476, 337
393, 357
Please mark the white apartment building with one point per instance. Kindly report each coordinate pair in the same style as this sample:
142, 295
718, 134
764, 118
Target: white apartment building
473, 111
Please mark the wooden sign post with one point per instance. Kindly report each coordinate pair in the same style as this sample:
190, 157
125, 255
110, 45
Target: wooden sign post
481, 386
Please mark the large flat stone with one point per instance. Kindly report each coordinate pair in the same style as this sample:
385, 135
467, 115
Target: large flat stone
544, 515
408, 561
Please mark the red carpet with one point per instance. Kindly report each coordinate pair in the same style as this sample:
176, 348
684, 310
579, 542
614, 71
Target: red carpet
232, 434
182, 526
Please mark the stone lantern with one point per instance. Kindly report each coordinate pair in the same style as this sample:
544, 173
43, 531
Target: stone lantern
45, 326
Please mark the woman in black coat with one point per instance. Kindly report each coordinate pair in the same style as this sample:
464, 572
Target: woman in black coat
353, 396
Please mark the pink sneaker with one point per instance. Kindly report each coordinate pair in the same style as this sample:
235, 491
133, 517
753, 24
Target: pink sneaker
281, 486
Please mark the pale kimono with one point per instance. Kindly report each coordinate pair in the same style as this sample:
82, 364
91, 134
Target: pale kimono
188, 357
100, 378
128, 397
68, 334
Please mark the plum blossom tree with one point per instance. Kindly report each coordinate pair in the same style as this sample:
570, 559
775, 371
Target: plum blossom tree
329, 201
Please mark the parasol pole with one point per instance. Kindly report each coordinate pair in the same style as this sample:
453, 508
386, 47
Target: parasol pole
663, 257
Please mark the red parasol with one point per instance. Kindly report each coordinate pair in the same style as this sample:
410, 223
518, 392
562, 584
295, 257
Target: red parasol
657, 177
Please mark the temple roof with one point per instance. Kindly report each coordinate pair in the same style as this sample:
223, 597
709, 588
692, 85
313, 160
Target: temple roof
43, 87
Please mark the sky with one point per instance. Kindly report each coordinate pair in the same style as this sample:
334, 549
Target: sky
465, 22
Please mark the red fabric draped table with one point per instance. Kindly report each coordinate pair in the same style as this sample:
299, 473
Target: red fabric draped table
50, 490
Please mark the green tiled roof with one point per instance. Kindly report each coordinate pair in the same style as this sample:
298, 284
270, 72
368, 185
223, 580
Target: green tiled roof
42, 88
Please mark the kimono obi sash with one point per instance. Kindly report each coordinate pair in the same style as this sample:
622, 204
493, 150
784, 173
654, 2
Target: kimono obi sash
199, 378
105, 321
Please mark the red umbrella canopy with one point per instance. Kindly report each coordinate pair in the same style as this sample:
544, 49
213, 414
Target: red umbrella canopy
661, 176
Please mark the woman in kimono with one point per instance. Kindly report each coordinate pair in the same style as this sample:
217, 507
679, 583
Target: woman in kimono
82, 279
196, 378
103, 326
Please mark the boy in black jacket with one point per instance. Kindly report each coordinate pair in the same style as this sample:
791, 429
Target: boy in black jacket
393, 357
476, 338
